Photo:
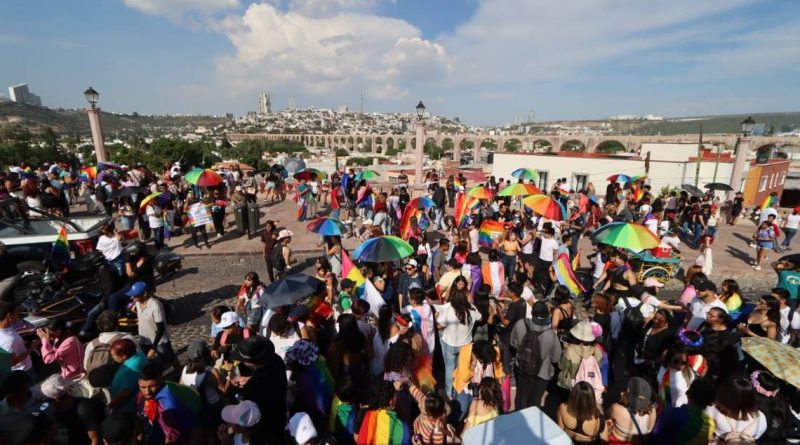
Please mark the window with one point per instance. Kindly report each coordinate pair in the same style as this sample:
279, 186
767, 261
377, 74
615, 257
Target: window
783, 178
763, 185
579, 181
772, 180
542, 179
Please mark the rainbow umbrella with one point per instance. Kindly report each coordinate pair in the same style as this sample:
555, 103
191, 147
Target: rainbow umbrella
546, 206
525, 173
366, 174
639, 178
158, 198
320, 174
631, 236
480, 192
327, 226
382, 249
203, 177
619, 177
421, 202
520, 190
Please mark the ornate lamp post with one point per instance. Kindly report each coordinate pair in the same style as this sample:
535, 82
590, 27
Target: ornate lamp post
92, 97
743, 146
420, 153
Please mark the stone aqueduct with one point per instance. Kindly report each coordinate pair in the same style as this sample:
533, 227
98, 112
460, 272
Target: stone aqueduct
378, 141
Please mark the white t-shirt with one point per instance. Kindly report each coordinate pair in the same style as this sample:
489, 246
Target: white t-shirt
283, 344
314, 187
155, 221
11, 342
599, 265
678, 385
700, 309
723, 424
793, 221
647, 310
549, 245
454, 333
765, 214
150, 314
783, 333
672, 242
109, 246
474, 246
652, 224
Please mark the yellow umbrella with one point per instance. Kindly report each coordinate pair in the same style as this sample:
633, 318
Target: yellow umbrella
480, 192
780, 359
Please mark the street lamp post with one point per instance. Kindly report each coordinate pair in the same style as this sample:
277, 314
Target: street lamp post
94, 123
420, 154
742, 150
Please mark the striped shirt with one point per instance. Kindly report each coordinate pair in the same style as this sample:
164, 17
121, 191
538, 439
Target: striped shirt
429, 430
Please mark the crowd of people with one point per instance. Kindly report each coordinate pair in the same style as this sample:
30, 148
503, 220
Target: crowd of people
465, 329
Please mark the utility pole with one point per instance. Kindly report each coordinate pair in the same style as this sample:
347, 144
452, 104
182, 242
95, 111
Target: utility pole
647, 163
699, 156
716, 165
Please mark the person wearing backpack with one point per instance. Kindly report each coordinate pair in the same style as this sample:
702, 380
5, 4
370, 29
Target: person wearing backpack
200, 375
736, 416
97, 360
281, 255
538, 349
580, 361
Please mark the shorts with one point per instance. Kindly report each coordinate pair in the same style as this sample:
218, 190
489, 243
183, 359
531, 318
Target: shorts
528, 258
769, 245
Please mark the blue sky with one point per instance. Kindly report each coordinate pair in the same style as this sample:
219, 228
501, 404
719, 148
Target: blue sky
485, 61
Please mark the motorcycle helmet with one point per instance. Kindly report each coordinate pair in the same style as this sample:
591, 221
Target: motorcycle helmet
95, 259
136, 249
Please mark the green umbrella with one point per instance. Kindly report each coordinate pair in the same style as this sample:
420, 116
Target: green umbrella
631, 236
367, 174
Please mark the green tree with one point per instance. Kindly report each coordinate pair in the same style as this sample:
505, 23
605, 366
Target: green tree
610, 147
574, 146
341, 152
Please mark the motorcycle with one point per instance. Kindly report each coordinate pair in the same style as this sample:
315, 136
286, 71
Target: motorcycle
166, 264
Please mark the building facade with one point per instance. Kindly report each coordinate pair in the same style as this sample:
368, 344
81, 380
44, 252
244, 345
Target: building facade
21, 94
264, 104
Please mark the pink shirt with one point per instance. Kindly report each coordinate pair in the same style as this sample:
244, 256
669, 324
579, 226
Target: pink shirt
688, 295
68, 354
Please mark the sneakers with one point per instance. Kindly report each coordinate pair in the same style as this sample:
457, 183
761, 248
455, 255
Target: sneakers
756, 267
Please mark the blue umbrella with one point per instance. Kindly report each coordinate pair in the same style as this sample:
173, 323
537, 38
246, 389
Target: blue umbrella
289, 290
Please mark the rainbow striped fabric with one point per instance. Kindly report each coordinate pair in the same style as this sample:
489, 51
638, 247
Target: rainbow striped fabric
349, 270
769, 201
489, 231
61, 245
565, 275
458, 185
383, 427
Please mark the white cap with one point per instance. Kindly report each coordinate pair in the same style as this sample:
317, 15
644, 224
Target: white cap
302, 428
652, 282
412, 262
228, 319
645, 208
244, 414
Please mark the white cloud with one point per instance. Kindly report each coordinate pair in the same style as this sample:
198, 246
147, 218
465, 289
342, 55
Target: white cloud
179, 9
321, 55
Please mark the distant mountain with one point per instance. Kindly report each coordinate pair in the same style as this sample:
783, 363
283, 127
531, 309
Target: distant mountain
716, 124
73, 122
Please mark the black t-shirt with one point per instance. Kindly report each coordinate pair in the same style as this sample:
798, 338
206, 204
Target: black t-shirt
144, 272
70, 425
231, 343
651, 346
267, 389
514, 313
721, 352
738, 203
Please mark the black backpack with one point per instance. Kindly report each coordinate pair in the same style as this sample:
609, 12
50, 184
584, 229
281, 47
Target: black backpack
632, 320
278, 261
529, 357
101, 193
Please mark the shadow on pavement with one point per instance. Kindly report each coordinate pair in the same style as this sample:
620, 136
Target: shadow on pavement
191, 306
740, 254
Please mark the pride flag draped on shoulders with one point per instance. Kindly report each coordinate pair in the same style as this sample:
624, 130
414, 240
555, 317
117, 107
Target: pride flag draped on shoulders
383, 427
565, 275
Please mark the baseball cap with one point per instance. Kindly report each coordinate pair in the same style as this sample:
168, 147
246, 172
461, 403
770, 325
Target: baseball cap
302, 428
652, 282
228, 319
136, 289
412, 262
244, 414
197, 349
540, 310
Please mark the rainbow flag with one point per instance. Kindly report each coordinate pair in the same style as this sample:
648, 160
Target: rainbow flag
459, 186
424, 373
405, 222
364, 198
636, 194
565, 275
769, 201
489, 231
314, 386
383, 427
349, 270
342, 421
61, 245
464, 206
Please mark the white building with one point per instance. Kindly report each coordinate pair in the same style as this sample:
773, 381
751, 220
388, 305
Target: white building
264, 104
580, 169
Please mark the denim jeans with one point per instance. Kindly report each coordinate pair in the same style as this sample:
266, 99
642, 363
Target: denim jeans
439, 212
450, 354
158, 237
335, 213
510, 265
464, 401
119, 264
115, 302
790, 233
382, 220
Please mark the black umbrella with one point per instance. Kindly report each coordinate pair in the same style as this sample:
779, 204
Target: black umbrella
127, 191
289, 290
719, 186
692, 189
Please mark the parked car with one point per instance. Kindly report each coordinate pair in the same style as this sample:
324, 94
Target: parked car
26, 240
